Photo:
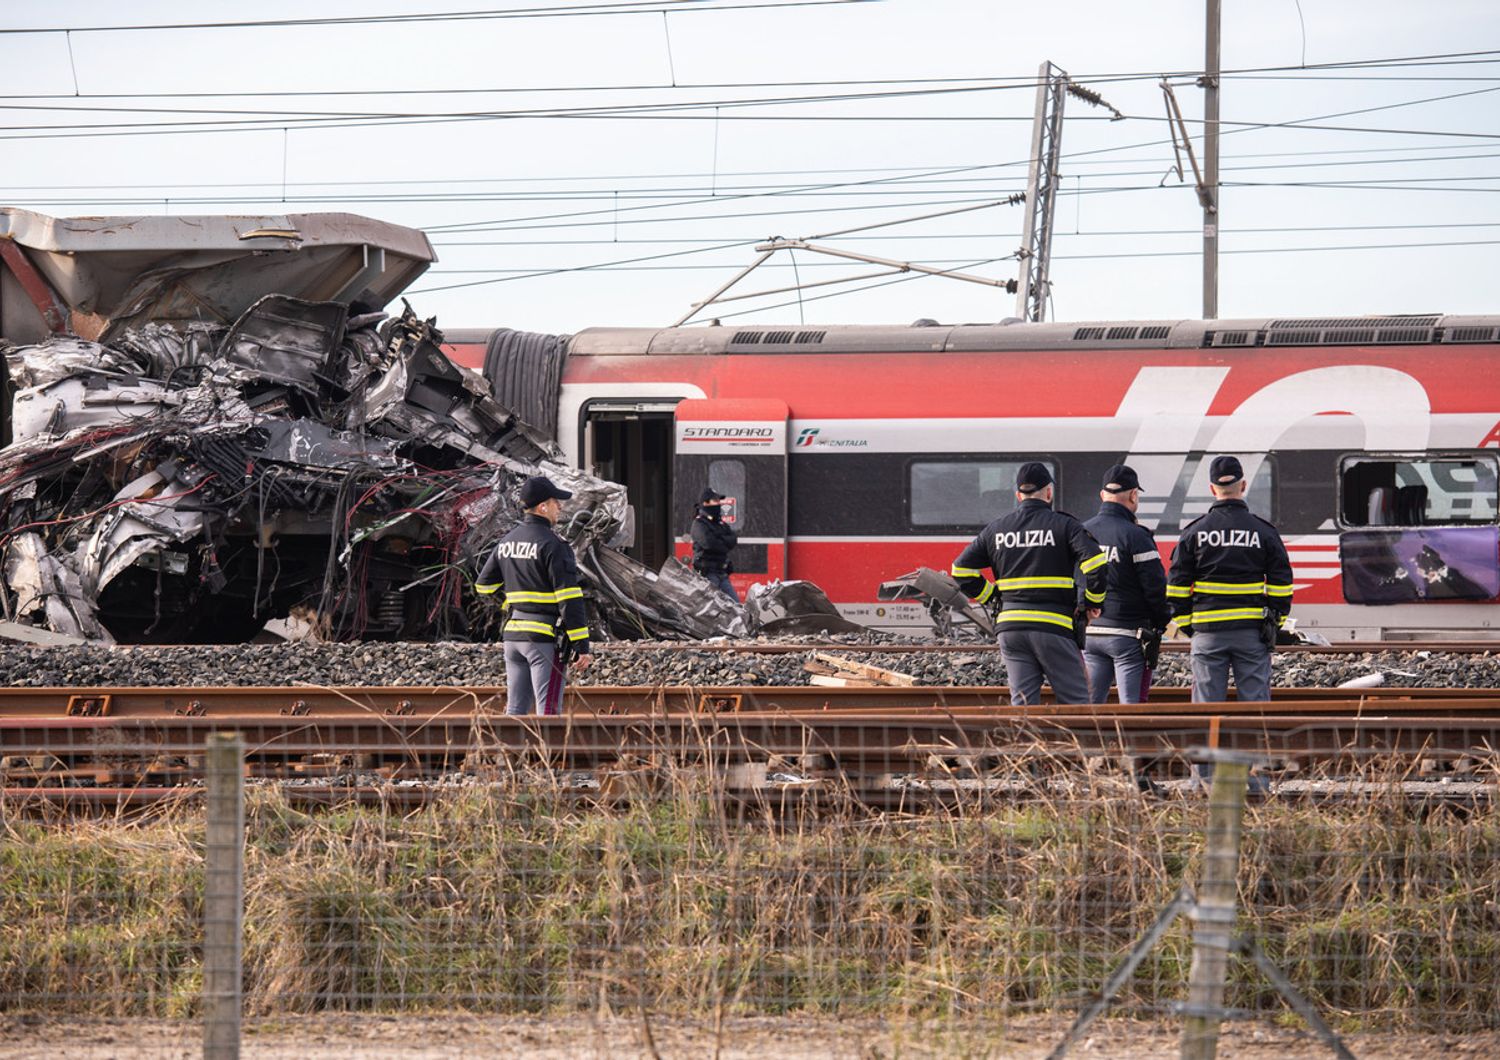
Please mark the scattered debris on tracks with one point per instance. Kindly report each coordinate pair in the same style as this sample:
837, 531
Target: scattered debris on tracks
640, 663
835, 671
951, 610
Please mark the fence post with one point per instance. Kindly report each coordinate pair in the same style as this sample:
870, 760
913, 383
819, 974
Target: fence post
223, 896
1214, 910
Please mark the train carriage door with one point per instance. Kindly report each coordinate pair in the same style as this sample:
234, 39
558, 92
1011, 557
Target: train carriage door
629, 441
737, 446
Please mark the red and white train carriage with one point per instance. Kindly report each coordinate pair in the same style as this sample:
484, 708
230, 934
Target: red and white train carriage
857, 453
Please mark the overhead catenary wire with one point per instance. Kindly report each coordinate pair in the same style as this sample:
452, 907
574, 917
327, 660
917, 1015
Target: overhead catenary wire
953, 264
659, 208
1026, 81
619, 7
941, 237
679, 110
915, 186
557, 178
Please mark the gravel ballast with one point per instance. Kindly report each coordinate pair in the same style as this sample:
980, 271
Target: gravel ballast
344, 665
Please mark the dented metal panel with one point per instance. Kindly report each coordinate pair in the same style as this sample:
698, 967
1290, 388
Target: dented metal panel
117, 272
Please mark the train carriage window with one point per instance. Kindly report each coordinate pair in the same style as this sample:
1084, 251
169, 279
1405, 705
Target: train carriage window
728, 477
1419, 491
962, 493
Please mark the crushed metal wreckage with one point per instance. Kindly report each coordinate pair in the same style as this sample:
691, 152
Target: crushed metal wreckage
953, 614
794, 608
172, 478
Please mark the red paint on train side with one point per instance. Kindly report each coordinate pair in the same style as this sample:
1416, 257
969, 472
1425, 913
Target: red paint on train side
1092, 383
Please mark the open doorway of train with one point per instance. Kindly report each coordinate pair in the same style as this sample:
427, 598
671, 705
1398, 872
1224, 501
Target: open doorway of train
629, 441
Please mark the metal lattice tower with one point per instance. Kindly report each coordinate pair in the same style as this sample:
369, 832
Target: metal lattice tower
1033, 283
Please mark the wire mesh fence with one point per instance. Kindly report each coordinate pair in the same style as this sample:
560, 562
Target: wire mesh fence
961, 893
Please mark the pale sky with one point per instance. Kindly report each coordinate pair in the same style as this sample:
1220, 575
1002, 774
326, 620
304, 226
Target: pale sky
944, 121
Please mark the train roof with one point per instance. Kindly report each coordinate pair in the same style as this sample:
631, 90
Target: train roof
932, 337
123, 270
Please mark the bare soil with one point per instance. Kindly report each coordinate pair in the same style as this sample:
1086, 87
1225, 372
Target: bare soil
787, 1038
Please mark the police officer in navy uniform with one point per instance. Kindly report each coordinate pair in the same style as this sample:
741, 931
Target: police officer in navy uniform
713, 540
1230, 589
1033, 553
1123, 642
543, 601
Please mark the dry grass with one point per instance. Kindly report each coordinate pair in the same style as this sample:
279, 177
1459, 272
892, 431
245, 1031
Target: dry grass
515, 898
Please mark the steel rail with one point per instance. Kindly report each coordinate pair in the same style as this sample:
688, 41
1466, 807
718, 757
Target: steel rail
242, 702
150, 741
906, 647
875, 740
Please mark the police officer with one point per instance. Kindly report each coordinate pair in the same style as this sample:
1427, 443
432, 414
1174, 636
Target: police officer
546, 622
1032, 553
1230, 589
1122, 644
713, 540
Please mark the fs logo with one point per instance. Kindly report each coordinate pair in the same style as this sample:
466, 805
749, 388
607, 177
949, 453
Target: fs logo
806, 437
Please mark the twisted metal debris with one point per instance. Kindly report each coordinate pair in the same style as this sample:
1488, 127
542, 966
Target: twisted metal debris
188, 484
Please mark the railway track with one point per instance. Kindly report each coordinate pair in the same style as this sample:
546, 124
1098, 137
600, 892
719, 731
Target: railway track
239, 702
752, 647
132, 745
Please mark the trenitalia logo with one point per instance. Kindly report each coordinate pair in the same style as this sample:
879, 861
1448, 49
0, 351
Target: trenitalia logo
808, 438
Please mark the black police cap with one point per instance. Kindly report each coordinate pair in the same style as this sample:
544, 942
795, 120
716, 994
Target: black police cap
1032, 477
1121, 479
710, 496
539, 488
1225, 471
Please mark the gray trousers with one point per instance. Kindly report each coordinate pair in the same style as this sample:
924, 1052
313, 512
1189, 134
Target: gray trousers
1216, 654
1119, 660
1029, 656
533, 680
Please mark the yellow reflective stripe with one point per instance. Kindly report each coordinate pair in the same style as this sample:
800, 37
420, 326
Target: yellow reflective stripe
1093, 598
524, 597
1183, 620
1066, 621
1034, 583
965, 572
521, 625
1228, 614
579, 634
488, 590
1179, 591
1093, 563
1229, 588
1278, 590
986, 593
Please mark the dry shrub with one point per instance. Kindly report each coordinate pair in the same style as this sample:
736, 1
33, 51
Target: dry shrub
515, 896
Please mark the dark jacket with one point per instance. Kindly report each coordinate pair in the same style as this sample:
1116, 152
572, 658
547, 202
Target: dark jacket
1137, 581
712, 541
1229, 570
536, 569
1032, 553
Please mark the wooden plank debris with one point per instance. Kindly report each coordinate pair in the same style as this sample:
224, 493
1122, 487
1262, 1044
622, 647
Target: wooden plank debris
857, 673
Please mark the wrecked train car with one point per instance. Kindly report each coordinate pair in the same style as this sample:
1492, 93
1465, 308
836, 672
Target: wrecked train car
214, 424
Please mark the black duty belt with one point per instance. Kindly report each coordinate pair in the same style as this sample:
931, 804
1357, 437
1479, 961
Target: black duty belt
533, 616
